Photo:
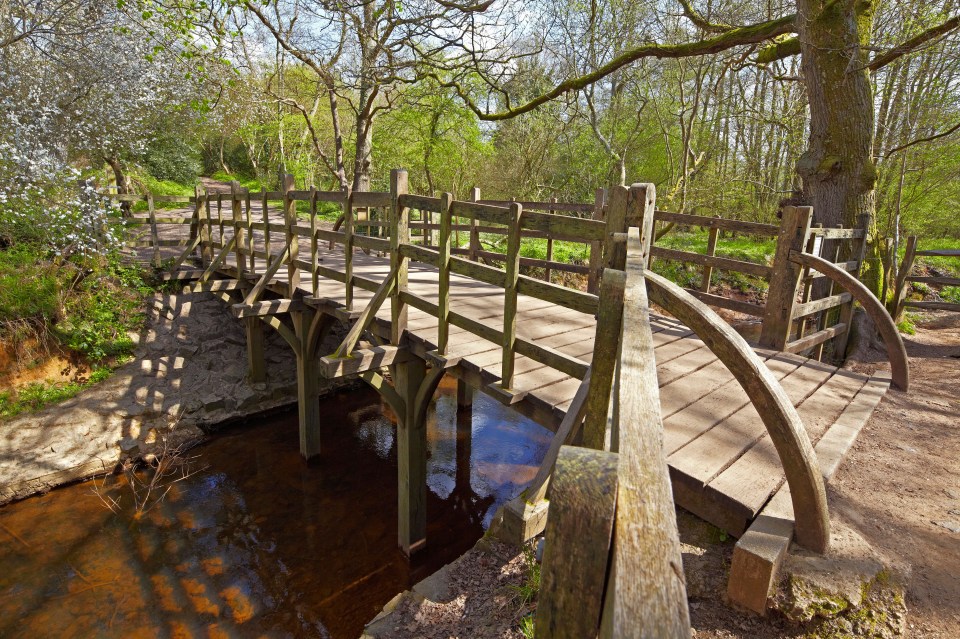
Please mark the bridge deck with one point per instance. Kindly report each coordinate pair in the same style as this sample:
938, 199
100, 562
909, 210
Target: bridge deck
723, 465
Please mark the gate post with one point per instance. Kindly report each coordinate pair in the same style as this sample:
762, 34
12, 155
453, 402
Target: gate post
785, 277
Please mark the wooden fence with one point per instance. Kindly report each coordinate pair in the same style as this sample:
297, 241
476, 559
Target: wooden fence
904, 277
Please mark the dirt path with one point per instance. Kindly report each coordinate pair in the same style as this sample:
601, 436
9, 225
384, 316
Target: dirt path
900, 485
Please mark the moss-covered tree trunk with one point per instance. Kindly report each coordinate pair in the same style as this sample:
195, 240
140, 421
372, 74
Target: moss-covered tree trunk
837, 168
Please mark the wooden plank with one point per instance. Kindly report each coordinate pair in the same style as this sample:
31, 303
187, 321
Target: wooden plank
933, 306
420, 202
837, 233
216, 286
938, 281
752, 228
648, 597
939, 253
746, 308
820, 305
711, 251
267, 307
363, 359
583, 501
709, 454
753, 478
571, 229
722, 263
814, 339
481, 212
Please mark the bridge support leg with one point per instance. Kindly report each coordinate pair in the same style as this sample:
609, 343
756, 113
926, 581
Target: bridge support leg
464, 395
256, 364
411, 458
308, 388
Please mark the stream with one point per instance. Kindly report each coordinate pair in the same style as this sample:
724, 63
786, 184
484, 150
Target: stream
253, 541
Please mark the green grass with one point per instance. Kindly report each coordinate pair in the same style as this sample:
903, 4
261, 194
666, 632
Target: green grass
745, 249
525, 595
38, 395
250, 183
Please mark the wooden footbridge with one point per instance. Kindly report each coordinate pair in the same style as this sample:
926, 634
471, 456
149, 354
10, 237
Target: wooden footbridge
664, 406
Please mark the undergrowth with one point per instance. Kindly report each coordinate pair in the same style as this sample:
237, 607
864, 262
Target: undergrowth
525, 595
83, 308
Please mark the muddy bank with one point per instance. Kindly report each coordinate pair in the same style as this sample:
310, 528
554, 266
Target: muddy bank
188, 374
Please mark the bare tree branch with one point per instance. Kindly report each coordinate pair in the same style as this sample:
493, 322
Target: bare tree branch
914, 43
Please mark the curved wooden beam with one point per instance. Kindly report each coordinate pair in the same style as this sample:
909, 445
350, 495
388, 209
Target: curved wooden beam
425, 393
776, 410
896, 351
321, 322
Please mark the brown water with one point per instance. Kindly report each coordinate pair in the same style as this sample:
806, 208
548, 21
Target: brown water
258, 543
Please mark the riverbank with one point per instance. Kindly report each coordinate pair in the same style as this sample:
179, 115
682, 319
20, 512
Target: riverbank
188, 374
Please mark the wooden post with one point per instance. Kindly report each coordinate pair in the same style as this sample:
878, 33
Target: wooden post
846, 312
443, 300
606, 350
266, 226
785, 277
641, 205
154, 233
614, 254
293, 240
236, 206
711, 251
220, 241
348, 249
196, 224
823, 316
256, 363
474, 246
805, 280
900, 290
546, 275
596, 248
247, 213
464, 394
399, 235
411, 458
208, 226
512, 266
308, 378
314, 257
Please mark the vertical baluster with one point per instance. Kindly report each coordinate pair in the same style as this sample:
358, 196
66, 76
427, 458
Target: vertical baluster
443, 302
314, 258
266, 227
154, 233
474, 231
512, 266
236, 207
399, 235
546, 275
714, 233
293, 240
348, 215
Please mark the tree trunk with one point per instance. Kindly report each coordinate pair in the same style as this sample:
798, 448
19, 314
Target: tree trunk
837, 168
123, 182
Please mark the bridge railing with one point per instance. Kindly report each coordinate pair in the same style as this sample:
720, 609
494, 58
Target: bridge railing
799, 316
905, 276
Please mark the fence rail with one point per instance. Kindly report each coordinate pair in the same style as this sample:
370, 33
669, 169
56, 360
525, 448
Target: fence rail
904, 277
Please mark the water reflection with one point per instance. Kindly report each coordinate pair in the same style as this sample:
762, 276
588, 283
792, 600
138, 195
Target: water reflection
259, 543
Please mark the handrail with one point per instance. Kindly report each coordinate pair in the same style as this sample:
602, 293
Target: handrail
775, 408
896, 351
